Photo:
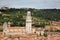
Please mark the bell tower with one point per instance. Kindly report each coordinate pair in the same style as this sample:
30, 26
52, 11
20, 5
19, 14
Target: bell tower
28, 22
5, 28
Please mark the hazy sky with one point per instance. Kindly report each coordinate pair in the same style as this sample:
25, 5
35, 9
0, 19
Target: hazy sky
31, 3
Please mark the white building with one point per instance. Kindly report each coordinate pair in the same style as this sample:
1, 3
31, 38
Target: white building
28, 22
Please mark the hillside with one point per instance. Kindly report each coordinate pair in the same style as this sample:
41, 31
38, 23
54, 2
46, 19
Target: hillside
39, 16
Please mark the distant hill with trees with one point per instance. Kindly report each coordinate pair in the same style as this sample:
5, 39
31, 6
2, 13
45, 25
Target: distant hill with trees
39, 16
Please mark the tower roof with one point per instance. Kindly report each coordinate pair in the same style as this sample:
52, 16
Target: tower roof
28, 13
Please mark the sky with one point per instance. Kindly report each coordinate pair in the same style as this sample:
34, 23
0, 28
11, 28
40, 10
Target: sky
39, 4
